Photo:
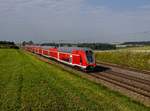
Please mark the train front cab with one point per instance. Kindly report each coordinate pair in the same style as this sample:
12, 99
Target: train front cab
90, 59
84, 59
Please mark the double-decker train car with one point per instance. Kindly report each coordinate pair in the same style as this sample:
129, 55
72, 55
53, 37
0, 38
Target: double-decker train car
82, 58
77, 57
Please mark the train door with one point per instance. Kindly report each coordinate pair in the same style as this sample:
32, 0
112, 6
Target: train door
76, 59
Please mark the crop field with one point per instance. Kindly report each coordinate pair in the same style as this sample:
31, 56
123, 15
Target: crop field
135, 58
139, 48
28, 84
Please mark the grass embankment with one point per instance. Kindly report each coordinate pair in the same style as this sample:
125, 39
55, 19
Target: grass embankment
29, 84
129, 58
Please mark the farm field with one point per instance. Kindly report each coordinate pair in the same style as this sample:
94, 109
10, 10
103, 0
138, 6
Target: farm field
134, 57
139, 48
29, 84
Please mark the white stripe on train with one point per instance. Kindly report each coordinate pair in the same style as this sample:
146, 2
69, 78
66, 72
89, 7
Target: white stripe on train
84, 67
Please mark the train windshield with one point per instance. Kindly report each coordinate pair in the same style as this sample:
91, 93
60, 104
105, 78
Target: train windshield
89, 55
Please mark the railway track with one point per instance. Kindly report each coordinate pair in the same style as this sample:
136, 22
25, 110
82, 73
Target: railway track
142, 89
131, 83
123, 67
130, 77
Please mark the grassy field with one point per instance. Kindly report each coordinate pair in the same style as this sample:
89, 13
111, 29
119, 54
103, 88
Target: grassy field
31, 85
139, 48
126, 57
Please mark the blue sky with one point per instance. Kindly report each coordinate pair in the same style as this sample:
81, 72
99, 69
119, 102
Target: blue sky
119, 4
75, 20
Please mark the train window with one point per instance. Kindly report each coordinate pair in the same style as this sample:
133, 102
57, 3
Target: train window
89, 55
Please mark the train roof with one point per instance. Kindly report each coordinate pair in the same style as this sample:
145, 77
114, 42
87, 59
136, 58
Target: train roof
47, 47
70, 49
38, 46
32, 46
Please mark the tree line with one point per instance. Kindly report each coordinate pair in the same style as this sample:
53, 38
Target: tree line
8, 44
94, 46
137, 43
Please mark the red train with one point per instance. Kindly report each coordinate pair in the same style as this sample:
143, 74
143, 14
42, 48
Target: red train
82, 58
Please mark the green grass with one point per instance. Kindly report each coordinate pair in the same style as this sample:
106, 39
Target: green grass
29, 84
139, 60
